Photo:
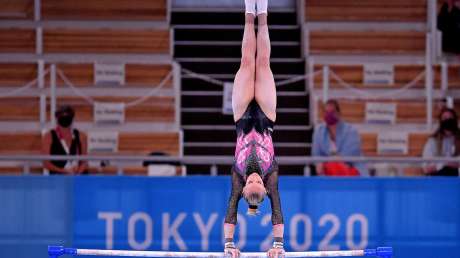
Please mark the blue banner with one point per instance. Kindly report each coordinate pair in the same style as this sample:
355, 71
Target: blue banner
418, 217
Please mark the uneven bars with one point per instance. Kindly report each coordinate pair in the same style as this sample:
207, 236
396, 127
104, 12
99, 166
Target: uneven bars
57, 251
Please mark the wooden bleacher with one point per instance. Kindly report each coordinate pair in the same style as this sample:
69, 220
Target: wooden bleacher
404, 74
366, 10
105, 41
16, 9
20, 109
76, 39
146, 10
454, 76
137, 75
354, 75
155, 109
407, 111
367, 42
416, 144
129, 144
82, 75
14, 40
17, 74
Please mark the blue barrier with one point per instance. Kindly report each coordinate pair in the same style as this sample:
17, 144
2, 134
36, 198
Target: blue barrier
418, 217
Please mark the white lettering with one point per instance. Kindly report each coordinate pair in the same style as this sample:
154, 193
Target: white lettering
242, 228
357, 217
169, 231
296, 246
109, 218
324, 244
140, 216
205, 229
267, 243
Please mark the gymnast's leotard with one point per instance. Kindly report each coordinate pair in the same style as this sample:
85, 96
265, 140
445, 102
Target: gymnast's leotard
254, 154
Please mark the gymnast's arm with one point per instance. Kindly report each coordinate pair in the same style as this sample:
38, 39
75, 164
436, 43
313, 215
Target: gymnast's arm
232, 209
271, 185
231, 216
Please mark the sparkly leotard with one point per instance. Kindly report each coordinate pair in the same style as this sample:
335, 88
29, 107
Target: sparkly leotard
254, 153
254, 146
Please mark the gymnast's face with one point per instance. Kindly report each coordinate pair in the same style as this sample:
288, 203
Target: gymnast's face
254, 190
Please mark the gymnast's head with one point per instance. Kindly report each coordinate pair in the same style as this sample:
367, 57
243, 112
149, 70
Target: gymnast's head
254, 192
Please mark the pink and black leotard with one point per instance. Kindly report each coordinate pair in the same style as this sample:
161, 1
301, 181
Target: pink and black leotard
254, 153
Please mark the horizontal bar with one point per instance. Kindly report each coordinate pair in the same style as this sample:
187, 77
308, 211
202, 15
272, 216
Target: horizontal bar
290, 160
56, 251
160, 254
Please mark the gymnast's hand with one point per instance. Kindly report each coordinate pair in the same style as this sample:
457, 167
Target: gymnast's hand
277, 251
231, 251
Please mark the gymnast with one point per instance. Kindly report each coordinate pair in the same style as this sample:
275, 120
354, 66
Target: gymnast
255, 171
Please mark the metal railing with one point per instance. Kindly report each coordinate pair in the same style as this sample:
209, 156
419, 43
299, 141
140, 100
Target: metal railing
121, 161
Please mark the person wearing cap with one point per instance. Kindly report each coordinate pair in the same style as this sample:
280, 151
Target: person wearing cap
65, 140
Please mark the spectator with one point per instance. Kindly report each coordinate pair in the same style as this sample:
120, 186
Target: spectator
336, 138
445, 142
449, 24
65, 140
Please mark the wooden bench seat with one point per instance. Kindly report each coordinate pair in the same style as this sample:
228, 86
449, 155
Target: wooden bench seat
454, 76
154, 109
128, 143
104, 10
354, 74
17, 74
416, 144
367, 42
106, 41
407, 111
16, 9
20, 109
366, 10
14, 40
137, 75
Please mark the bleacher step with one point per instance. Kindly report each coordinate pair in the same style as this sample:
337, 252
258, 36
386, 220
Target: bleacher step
226, 17
232, 49
225, 66
283, 102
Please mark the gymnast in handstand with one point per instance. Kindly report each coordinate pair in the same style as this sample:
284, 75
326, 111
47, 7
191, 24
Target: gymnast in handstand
255, 171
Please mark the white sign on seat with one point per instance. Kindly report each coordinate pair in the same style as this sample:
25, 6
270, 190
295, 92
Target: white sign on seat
102, 142
113, 113
380, 113
377, 73
393, 143
106, 74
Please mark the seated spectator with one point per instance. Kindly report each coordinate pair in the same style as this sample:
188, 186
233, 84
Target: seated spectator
335, 138
445, 142
449, 24
65, 140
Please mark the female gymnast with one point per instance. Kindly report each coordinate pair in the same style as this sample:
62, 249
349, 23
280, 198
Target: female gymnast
255, 172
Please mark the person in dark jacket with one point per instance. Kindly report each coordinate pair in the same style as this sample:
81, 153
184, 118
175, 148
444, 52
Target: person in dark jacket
65, 140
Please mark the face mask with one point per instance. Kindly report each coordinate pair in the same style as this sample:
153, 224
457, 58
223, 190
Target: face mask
331, 118
65, 121
449, 125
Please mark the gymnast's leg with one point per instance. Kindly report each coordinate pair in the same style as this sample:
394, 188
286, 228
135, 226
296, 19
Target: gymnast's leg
243, 87
265, 90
